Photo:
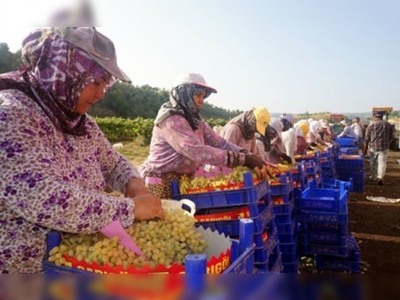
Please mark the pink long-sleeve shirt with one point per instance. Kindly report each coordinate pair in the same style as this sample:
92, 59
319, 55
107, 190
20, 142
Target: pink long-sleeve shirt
175, 147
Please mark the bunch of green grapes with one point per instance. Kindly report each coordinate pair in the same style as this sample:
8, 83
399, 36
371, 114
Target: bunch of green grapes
236, 176
169, 240
184, 184
199, 182
164, 242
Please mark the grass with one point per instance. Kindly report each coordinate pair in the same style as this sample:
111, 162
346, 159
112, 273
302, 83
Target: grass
135, 151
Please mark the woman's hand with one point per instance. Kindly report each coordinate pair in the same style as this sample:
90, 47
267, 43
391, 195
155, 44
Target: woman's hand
136, 187
148, 207
257, 164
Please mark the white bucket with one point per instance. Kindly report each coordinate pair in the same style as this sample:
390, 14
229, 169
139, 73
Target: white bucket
175, 204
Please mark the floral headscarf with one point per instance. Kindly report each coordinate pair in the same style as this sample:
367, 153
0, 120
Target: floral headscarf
181, 103
247, 123
53, 73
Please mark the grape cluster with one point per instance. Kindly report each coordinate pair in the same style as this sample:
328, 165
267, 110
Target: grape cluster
163, 242
219, 180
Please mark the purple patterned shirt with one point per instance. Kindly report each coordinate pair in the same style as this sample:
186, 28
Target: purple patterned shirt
175, 147
53, 181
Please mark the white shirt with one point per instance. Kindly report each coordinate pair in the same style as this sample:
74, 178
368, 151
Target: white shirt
347, 132
289, 141
357, 129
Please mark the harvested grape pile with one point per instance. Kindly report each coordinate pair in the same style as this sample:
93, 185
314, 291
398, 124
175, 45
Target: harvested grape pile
163, 242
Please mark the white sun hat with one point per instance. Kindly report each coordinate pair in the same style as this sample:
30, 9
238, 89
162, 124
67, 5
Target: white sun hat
193, 78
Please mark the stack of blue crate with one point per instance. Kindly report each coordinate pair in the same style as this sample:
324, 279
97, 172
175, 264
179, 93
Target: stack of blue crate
347, 145
323, 218
255, 199
327, 162
300, 180
282, 195
351, 167
300, 176
350, 263
313, 168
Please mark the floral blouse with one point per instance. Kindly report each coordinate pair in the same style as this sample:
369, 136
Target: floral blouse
53, 181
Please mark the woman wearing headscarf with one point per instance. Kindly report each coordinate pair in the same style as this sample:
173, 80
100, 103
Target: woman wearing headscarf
182, 141
242, 129
277, 153
314, 136
55, 161
289, 139
301, 130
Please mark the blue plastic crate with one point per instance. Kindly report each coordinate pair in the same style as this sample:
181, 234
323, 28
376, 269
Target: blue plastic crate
287, 238
271, 262
339, 227
323, 237
313, 168
324, 249
326, 154
263, 249
288, 248
358, 179
286, 208
242, 264
318, 216
290, 268
249, 194
328, 174
300, 175
284, 187
327, 165
283, 218
323, 199
347, 142
282, 199
333, 183
349, 161
242, 254
292, 258
350, 263
231, 228
349, 150
287, 228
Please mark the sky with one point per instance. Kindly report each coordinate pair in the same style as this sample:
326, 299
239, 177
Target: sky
292, 56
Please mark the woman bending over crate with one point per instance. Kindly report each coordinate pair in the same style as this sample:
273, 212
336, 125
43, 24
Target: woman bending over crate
182, 141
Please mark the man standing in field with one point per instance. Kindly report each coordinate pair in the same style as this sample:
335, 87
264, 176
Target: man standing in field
358, 130
377, 138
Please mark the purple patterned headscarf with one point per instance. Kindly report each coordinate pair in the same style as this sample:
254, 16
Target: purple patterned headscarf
181, 103
53, 73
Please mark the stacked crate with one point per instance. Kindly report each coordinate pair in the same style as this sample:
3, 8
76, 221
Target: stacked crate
324, 232
350, 263
327, 162
314, 172
300, 181
282, 195
347, 145
351, 167
222, 211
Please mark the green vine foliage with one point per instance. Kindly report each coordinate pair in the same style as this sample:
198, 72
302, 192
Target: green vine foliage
121, 129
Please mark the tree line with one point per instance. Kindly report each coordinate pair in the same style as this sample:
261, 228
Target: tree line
124, 100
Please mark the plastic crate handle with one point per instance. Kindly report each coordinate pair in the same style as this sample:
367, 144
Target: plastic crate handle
178, 204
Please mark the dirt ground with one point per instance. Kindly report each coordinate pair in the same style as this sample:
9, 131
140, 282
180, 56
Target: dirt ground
375, 225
